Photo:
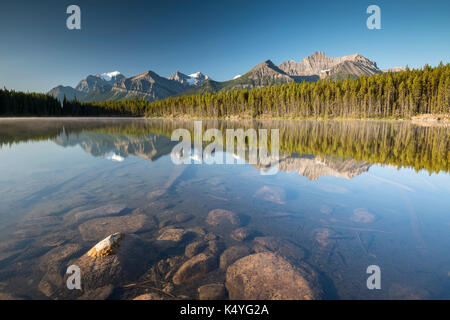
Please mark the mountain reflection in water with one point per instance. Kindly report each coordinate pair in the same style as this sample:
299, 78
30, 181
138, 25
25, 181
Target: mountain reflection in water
152, 146
348, 194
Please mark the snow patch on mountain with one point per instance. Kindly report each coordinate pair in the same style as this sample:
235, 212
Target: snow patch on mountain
192, 80
195, 75
196, 79
109, 75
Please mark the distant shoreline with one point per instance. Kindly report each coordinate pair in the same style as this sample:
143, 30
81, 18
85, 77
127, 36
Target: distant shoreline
422, 120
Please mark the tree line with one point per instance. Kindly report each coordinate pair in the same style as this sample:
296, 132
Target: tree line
388, 95
16, 103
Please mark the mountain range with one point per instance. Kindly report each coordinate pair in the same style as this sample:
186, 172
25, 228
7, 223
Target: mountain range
150, 86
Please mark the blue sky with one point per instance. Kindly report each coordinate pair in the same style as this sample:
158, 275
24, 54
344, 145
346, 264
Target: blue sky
218, 38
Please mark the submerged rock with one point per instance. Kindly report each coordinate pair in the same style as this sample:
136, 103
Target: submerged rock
107, 210
197, 231
213, 291
232, 254
168, 288
58, 255
361, 215
93, 229
211, 236
215, 247
53, 263
101, 293
241, 234
151, 296
266, 276
165, 223
8, 296
156, 194
195, 267
183, 217
107, 246
281, 247
125, 263
324, 237
222, 217
10, 248
166, 268
399, 291
195, 248
172, 234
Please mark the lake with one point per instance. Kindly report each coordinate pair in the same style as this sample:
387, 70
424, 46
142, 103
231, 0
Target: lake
346, 195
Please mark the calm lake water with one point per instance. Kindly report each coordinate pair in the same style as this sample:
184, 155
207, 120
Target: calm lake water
347, 194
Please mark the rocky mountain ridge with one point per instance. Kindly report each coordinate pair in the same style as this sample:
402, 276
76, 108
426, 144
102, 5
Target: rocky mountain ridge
151, 86
320, 65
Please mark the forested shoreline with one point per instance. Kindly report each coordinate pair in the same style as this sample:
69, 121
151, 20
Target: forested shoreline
399, 95
21, 104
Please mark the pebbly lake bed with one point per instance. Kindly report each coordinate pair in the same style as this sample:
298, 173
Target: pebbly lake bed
347, 195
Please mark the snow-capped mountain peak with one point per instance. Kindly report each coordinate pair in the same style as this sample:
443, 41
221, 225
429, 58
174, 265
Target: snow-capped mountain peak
196, 75
193, 79
196, 79
109, 75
